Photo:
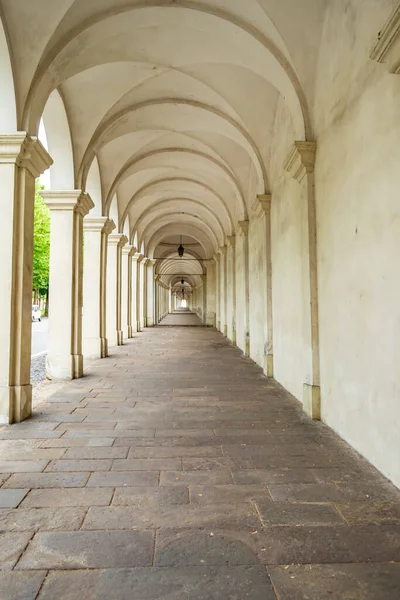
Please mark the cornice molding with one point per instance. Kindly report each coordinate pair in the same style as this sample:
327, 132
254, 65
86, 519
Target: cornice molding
25, 151
300, 160
117, 239
242, 228
128, 250
68, 200
98, 224
261, 205
387, 46
231, 241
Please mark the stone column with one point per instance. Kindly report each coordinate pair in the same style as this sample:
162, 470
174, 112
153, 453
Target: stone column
116, 241
231, 270
150, 292
135, 261
223, 300
96, 232
204, 300
126, 295
217, 292
22, 159
300, 165
142, 282
243, 232
156, 300
211, 292
67, 209
262, 210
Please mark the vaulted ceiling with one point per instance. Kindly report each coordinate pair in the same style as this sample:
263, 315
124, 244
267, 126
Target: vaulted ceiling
164, 109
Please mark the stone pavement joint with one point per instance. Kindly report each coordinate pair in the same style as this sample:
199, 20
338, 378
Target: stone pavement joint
176, 470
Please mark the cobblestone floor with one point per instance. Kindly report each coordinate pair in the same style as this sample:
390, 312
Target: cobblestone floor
176, 471
38, 368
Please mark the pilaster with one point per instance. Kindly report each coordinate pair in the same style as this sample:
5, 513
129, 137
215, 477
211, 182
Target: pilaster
126, 290
116, 241
135, 265
300, 165
242, 231
96, 232
261, 209
22, 159
67, 209
150, 292
231, 279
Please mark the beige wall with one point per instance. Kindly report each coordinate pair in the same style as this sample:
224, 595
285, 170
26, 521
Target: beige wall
357, 183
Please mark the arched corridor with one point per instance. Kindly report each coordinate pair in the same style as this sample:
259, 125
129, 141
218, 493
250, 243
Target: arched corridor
222, 183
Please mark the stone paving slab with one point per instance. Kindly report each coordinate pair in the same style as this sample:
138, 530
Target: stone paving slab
334, 582
89, 549
47, 519
20, 586
175, 471
196, 583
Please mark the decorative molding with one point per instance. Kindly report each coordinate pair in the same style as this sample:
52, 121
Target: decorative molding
117, 239
68, 200
231, 240
25, 151
300, 160
128, 250
223, 250
242, 228
387, 46
261, 205
98, 224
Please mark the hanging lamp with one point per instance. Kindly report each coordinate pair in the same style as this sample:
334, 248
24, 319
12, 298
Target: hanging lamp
181, 249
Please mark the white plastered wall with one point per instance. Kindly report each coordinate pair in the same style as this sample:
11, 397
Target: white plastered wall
358, 209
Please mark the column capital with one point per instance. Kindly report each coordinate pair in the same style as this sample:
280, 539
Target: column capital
25, 151
145, 260
68, 200
156, 277
262, 205
242, 228
117, 239
203, 277
137, 257
231, 240
222, 250
151, 262
98, 224
128, 250
300, 160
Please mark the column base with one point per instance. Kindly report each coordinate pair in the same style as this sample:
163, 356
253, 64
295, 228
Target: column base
93, 348
247, 346
77, 366
269, 365
312, 401
150, 322
234, 337
130, 331
138, 327
72, 368
15, 403
219, 325
225, 330
120, 337
104, 347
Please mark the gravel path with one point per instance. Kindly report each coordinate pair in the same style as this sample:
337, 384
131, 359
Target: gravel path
38, 368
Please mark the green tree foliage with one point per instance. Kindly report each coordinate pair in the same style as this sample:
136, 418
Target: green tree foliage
41, 249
